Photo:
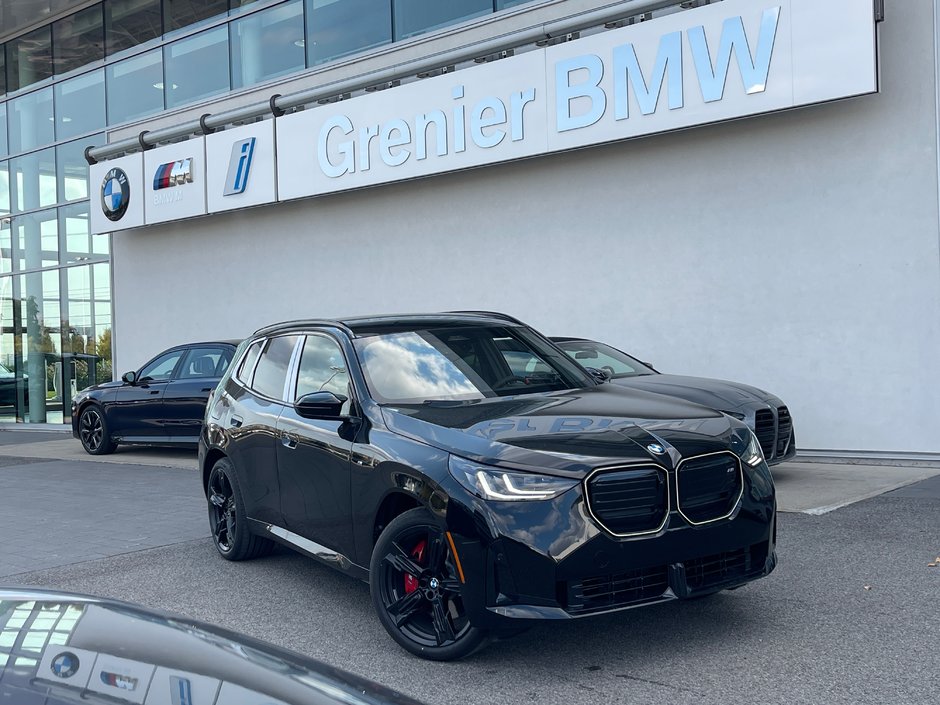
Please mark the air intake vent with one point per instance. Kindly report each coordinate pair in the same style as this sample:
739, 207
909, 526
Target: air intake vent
709, 486
629, 501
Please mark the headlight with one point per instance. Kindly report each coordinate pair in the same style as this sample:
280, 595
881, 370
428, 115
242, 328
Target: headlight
503, 486
753, 455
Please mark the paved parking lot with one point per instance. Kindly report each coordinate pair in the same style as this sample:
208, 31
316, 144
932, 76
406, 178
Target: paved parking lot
848, 617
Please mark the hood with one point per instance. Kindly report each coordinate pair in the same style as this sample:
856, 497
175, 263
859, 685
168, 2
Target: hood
713, 393
568, 433
103, 385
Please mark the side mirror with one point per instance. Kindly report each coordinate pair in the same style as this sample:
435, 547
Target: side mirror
599, 376
129, 378
321, 405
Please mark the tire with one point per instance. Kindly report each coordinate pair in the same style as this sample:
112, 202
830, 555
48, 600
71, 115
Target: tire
227, 521
416, 591
93, 431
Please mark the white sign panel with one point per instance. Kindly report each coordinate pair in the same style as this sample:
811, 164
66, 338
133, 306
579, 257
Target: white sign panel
483, 115
175, 181
171, 687
241, 170
66, 665
117, 194
719, 62
121, 678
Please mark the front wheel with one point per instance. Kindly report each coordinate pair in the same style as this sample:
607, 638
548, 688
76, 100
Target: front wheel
93, 431
416, 589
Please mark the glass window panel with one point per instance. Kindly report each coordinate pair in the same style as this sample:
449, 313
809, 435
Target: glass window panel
29, 58
503, 4
36, 240
101, 312
6, 251
3, 127
33, 180
78, 39
416, 16
75, 240
271, 372
135, 87
79, 105
197, 67
339, 27
4, 189
73, 169
3, 70
268, 44
31, 121
182, 13
161, 368
41, 340
101, 244
128, 23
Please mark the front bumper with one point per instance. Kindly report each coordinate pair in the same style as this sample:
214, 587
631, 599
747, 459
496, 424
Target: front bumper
551, 560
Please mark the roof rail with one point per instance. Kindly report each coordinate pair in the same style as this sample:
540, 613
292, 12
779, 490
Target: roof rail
494, 314
305, 322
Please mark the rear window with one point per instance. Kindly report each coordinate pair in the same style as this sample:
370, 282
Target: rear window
271, 371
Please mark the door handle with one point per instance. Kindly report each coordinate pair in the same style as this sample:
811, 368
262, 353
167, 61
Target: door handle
236, 421
154, 391
289, 440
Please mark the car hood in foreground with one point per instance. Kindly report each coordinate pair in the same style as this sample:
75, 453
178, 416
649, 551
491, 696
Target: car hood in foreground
121, 653
569, 433
714, 393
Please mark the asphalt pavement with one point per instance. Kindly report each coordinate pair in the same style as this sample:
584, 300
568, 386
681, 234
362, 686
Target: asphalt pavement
848, 617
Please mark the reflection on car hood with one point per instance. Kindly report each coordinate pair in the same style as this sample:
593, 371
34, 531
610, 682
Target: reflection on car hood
114, 652
103, 385
567, 433
714, 393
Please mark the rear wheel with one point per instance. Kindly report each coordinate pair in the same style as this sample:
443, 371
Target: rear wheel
416, 589
93, 431
230, 533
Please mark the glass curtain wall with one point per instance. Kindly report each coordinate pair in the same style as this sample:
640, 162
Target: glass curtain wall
115, 62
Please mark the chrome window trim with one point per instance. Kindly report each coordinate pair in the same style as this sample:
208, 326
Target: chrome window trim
290, 382
235, 374
629, 466
737, 501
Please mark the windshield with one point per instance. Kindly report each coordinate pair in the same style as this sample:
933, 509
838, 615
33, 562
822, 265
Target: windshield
603, 357
462, 363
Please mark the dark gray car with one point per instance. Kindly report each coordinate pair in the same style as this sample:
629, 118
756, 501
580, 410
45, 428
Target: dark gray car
765, 413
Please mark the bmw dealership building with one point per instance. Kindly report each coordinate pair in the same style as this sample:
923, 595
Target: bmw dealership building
741, 189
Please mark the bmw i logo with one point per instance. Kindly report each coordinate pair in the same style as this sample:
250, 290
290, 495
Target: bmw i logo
115, 194
655, 448
65, 665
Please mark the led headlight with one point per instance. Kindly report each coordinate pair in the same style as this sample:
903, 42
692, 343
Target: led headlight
753, 455
503, 486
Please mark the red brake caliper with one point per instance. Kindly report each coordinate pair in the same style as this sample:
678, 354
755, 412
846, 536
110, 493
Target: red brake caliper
411, 581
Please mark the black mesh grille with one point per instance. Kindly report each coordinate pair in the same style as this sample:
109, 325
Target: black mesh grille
629, 501
709, 486
716, 570
784, 427
765, 428
607, 591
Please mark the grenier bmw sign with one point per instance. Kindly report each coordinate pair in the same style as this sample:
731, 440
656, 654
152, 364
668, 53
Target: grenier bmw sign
724, 61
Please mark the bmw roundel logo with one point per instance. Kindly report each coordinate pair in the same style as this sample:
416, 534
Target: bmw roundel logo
115, 194
655, 448
65, 665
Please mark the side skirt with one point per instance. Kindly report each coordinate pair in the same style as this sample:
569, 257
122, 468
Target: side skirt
310, 548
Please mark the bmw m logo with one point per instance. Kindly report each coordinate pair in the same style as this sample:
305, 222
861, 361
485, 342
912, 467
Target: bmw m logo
115, 194
655, 448
173, 174
65, 665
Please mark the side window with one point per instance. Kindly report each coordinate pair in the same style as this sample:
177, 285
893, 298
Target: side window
248, 362
271, 372
205, 362
322, 367
162, 368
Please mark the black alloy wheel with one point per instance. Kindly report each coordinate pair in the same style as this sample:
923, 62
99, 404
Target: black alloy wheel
416, 589
230, 531
93, 431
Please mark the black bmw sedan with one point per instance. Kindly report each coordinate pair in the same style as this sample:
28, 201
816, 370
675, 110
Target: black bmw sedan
162, 403
765, 413
405, 451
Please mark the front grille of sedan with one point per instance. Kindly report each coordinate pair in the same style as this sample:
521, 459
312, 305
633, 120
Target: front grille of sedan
629, 501
709, 486
765, 428
619, 590
784, 428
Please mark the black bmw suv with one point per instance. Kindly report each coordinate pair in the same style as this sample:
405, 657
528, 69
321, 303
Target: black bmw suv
405, 451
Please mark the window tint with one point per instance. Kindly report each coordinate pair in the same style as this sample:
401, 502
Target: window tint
162, 367
248, 362
322, 367
128, 23
205, 362
29, 58
78, 39
271, 372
